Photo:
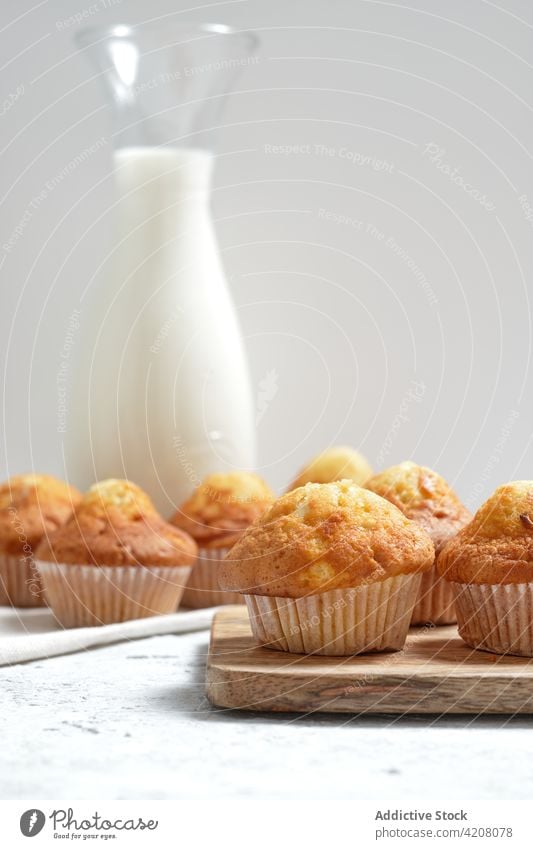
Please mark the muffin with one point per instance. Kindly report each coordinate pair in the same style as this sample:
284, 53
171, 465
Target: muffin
30, 506
423, 496
215, 515
334, 464
114, 559
490, 566
330, 569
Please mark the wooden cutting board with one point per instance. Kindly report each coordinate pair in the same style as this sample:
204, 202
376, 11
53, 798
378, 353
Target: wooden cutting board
435, 673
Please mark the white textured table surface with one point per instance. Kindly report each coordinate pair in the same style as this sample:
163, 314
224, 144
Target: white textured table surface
132, 721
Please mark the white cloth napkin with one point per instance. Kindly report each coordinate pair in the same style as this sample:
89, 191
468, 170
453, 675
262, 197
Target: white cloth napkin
32, 634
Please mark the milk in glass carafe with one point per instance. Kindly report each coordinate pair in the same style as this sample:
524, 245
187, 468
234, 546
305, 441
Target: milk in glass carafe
161, 392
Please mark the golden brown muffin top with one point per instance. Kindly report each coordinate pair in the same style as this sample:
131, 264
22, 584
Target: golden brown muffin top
116, 524
496, 547
324, 537
334, 464
222, 507
30, 506
423, 496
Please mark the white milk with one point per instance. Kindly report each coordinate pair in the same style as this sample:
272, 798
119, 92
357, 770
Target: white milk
162, 395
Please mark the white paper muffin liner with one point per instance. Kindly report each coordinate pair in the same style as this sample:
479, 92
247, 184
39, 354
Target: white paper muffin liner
435, 602
370, 618
20, 584
98, 595
202, 589
496, 617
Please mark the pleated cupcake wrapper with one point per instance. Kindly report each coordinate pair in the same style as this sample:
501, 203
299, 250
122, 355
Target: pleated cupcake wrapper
496, 618
20, 584
99, 595
368, 618
435, 602
202, 589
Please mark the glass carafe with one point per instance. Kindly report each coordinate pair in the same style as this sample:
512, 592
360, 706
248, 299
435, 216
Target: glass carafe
161, 390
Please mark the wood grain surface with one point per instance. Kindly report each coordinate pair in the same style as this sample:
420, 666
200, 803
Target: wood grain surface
435, 673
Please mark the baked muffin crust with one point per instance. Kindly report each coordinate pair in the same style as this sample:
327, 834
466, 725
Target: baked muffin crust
222, 507
496, 547
30, 506
116, 524
423, 496
338, 463
323, 537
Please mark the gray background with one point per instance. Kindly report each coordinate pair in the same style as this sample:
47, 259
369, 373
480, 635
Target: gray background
359, 351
